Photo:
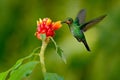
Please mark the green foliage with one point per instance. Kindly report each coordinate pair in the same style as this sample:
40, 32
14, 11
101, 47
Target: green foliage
23, 71
59, 51
3, 75
20, 69
52, 76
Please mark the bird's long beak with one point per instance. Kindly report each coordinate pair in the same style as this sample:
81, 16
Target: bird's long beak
63, 22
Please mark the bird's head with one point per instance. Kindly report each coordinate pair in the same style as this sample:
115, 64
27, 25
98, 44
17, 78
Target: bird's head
68, 21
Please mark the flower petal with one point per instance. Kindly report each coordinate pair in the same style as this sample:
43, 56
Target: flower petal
48, 22
40, 20
56, 25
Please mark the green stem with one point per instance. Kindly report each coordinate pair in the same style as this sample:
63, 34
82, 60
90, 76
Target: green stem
44, 45
54, 42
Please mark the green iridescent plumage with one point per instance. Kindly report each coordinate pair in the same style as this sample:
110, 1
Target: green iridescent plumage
78, 26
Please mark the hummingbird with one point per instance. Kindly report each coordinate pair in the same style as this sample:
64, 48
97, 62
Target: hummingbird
79, 26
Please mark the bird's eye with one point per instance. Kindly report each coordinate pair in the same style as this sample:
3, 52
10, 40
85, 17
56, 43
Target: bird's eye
69, 19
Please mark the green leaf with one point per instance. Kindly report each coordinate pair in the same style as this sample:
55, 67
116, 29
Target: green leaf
4, 75
23, 71
60, 53
43, 36
59, 50
52, 76
20, 61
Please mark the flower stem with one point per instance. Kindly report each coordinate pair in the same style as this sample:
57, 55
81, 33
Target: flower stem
41, 55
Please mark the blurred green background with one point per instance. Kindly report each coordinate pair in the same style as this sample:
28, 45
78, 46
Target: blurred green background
17, 40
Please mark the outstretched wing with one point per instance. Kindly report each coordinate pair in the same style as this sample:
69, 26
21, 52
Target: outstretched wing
80, 19
89, 24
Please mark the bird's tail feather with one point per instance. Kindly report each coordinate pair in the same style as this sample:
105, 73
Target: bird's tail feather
86, 45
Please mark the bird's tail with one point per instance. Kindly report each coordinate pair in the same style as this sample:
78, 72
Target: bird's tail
86, 45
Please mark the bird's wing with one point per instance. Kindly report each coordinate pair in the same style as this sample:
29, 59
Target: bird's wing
80, 19
89, 24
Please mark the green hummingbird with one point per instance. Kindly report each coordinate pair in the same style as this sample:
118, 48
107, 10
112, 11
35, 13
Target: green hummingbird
79, 26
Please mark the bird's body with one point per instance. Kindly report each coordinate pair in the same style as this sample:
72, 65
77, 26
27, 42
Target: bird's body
79, 26
77, 33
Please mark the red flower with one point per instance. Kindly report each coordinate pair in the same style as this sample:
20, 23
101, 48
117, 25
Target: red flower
47, 27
